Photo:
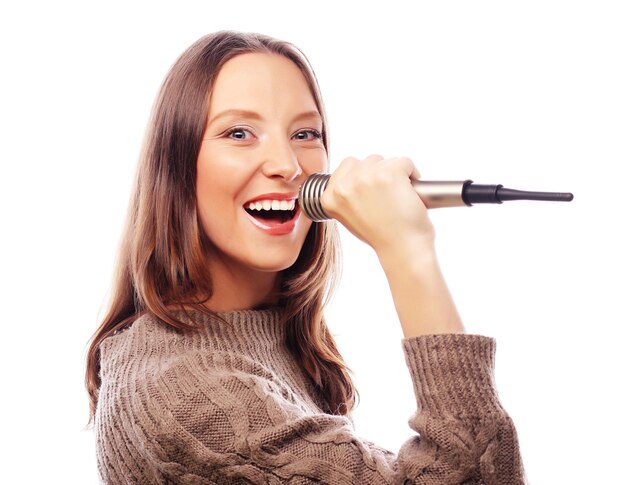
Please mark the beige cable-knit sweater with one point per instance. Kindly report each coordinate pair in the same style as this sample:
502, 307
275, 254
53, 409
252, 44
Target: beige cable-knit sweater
230, 405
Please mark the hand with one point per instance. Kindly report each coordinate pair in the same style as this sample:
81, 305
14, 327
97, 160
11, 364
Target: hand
374, 199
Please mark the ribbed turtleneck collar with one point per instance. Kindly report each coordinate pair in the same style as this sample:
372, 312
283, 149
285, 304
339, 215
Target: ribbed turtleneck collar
249, 328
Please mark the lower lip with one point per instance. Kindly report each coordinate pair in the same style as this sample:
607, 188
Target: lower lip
279, 229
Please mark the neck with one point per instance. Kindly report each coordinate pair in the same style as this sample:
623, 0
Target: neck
241, 288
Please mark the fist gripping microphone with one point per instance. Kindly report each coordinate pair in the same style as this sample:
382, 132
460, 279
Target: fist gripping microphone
434, 194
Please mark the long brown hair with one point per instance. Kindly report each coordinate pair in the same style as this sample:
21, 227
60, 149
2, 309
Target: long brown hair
162, 258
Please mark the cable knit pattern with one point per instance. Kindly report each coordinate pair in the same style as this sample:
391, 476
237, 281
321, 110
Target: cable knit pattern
230, 405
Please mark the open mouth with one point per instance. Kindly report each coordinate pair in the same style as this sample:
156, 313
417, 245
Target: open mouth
271, 215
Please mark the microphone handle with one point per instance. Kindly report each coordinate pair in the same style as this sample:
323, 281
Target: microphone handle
434, 194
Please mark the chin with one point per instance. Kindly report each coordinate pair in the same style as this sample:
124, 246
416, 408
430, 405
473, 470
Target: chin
273, 265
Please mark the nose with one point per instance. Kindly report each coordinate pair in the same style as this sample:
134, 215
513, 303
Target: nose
281, 160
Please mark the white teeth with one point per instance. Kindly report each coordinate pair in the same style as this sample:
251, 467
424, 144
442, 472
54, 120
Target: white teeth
285, 205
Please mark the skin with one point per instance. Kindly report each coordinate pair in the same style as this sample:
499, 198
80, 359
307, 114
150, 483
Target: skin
373, 198
271, 154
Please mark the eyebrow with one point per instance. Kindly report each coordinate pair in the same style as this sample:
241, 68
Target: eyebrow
257, 116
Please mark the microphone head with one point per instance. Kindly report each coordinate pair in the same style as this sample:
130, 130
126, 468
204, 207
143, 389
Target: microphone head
310, 194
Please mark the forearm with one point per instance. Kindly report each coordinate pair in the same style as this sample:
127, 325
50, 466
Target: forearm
420, 294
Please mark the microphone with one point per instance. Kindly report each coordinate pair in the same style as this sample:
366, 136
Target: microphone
434, 194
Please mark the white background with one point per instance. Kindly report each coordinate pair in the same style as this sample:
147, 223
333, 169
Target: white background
528, 94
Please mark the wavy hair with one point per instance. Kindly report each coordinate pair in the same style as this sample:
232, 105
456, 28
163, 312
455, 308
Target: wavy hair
162, 259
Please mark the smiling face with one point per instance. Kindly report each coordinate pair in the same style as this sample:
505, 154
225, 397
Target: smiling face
263, 137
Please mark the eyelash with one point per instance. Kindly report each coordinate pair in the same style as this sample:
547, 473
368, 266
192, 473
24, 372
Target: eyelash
315, 133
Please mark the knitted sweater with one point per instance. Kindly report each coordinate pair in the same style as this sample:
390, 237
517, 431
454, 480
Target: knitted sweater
230, 405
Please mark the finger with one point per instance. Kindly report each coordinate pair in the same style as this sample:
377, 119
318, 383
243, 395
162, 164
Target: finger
345, 166
407, 165
373, 158
330, 195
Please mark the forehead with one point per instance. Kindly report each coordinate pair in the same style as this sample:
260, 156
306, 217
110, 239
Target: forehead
262, 82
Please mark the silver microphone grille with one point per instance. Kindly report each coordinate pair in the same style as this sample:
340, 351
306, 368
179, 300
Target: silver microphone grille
310, 194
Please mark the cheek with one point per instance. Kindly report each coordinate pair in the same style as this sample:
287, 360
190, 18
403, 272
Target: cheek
313, 160
210, 192
220, 174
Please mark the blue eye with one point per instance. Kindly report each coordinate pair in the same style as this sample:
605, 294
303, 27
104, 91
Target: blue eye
313, 133
239, 133
237, 130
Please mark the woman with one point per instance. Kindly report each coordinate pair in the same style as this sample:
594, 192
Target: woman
214, 363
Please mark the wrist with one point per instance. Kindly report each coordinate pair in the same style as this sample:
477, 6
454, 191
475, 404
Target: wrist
420, 253
421, 297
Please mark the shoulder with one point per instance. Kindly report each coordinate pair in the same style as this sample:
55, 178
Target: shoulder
192, 366
145, 332
150, 349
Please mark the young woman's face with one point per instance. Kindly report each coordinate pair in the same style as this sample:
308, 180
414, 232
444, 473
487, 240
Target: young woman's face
262, 140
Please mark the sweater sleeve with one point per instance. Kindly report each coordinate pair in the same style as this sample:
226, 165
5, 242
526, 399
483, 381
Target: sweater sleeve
230, 425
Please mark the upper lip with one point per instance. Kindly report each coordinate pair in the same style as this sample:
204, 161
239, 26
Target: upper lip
274, 196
